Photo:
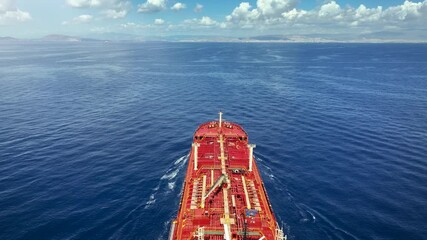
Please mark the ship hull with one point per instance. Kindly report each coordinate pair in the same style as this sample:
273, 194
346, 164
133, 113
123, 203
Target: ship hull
223, 196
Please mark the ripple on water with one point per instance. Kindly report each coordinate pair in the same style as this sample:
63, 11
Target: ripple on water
94, 137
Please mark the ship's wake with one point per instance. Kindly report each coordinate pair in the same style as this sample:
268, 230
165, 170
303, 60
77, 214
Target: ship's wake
167, 182
166, 186
161, 191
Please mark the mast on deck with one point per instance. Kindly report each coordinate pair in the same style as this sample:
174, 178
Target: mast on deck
196, 153
251, 154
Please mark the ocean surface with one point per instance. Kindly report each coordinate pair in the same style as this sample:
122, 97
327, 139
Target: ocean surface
94, 137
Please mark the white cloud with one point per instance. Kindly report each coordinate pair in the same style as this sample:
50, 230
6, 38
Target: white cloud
159, 21
151, 6
79, 20
83, 19
115, 14
207, 21
129, 25
158, 25
330, 15
266, 11
82, 3
364, 15
114, 8
10, 14
407, 11
368, 14
330, 10
275, 7
294, 14
243, 15
135, 27
178, 6
198, 8
94, 3
204, 21
6, 5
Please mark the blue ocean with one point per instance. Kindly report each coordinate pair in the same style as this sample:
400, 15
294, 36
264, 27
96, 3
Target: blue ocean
94, 137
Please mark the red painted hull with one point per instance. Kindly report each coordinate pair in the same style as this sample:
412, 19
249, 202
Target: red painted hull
223, 195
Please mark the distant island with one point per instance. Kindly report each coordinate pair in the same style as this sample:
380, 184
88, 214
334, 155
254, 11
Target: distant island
65, 38
52, 38
8, 39
117, 37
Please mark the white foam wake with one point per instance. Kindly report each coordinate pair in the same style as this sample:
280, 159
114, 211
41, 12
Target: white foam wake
170, 175
167, 182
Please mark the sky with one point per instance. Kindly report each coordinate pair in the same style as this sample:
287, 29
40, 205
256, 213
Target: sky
340, 19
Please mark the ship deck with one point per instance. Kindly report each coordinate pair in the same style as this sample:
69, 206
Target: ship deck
223, 195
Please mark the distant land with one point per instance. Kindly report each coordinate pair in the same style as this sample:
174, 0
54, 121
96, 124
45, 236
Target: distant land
53, 38
118, 37
8, 39
65, 38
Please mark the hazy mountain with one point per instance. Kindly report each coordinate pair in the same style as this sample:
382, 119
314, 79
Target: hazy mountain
8, 39
66, 38
269, 38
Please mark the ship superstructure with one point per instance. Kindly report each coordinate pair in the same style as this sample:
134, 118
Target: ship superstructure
223, 195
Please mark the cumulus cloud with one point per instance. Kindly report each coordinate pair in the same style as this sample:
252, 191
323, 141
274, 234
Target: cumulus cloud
407, 11
281, 16
112, 8
330, 10
244, 15
116, 13
330, 14
364, 14
178, 6
294, 14
151, 6
159, 21
273, 8
10, 14
207, 21
79, 20
198, 8
204, 21
266, 11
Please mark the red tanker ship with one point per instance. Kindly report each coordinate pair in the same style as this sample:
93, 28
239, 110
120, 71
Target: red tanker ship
223, 195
